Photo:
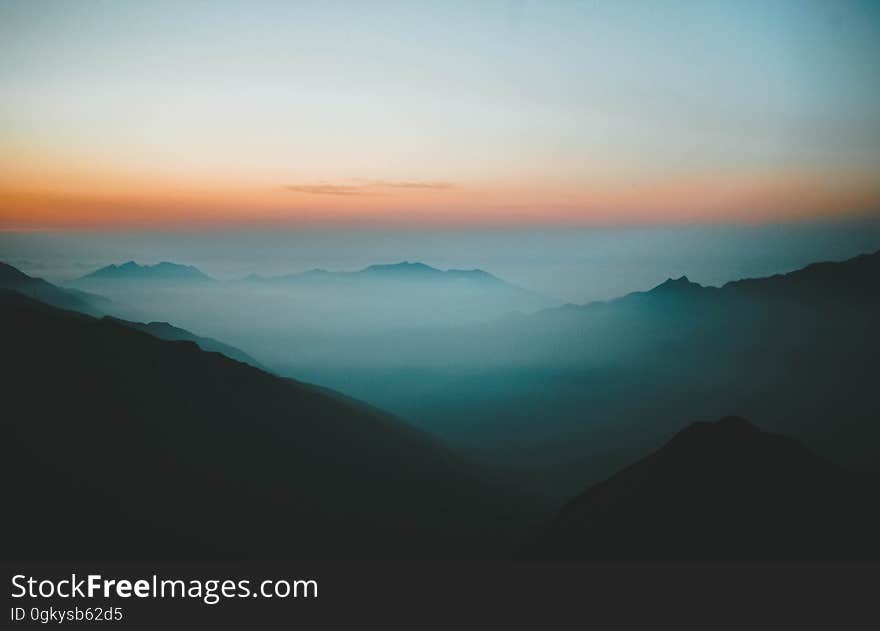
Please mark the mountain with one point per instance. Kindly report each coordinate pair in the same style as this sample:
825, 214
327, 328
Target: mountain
412, 274
332, 312
831, 282
397, 272
131, 271
300, 316
420, 271
165, 331
828, 283
95, 305
720, 491
39, 289
566, 396
161, 449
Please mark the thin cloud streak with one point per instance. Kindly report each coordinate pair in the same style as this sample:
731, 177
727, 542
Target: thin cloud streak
370, 187
413, 185
327, 189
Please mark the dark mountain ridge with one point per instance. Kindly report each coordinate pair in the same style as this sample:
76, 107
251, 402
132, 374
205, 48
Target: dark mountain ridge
720, 491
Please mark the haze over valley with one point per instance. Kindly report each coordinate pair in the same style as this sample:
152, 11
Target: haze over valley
547, 394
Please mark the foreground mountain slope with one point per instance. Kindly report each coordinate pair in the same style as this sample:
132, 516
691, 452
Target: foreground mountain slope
119, 445
720, 491
39, 289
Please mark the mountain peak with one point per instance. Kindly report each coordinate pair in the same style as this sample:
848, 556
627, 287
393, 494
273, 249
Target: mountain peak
402, 267
475, 273
719, 490
164, 270
682, 283
726, 428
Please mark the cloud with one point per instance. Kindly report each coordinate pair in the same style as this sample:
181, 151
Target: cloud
327, 189
366, 187
412, 184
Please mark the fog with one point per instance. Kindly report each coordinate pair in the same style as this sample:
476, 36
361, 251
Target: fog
320, 326
310, 324
492, 361
573, 264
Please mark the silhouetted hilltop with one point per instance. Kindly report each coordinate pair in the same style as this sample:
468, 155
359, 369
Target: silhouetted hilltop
677, 285
181, 453
719, 491
71, 299
404, 269
131, 271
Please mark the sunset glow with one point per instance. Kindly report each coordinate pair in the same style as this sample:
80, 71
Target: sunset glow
144, 115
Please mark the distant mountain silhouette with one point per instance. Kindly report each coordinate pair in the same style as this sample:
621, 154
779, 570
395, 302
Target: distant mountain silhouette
117, 444
404, 271
677, 285
331, 304
407, 270
396, 296
131, 271
720, 491
853, 279
71, 299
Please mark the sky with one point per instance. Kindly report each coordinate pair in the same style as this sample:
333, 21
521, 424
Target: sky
175, 115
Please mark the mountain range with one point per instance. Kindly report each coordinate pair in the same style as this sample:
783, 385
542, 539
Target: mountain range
568, 395
394, 272
187, 453
403, 271
472, 294
131, 271
313, 316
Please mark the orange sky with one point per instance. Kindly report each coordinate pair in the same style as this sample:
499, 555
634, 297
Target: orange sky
133, 202
174, 114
